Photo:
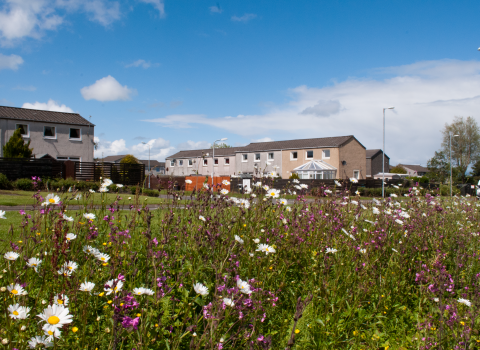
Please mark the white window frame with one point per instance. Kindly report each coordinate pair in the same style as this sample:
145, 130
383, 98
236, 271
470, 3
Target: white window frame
218, 161
244, 157
306, 154
65, 158
323, 154
50, 137
28, 130
272, 157
180, 162
190, 163
205, 162
291, 155
74, 139
172, 163
358, 173
259, 157
226, 161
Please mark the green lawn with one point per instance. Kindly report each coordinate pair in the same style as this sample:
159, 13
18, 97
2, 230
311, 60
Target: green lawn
13, 198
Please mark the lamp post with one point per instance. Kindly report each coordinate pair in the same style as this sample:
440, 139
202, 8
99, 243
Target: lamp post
213, 157
451, 176
383, 153
148, 163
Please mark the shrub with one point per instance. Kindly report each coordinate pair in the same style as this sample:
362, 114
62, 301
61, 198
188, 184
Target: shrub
294, 176
5, 183
23, 184
150, 193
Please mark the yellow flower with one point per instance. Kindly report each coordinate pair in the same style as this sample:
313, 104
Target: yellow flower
121, 304
104, 243
105, 264
156, 324
101, 294
355, 333
105, 306
297, 331
109, 301
244, 225
138, 315
74, 329
20, 241
271, 267
463, 323
38, 233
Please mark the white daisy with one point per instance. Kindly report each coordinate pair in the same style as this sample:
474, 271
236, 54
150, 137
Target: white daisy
354, 180
273, 193
224, 191
141, 291
107, 182
34, 262
37, 340
188, 181
225, 182
376, 211
288, 209
67, 218
91, 191
78, 197
303, 186
238, 239
65, 271
16, 289
71, 265
399, 221
71, 236
295, 181
2, 214
283, 201
11, 256
266, 187
18, 312
87, 286
265, 248
60, 299
90, 250
52, 199
200, 289
202, 218
465, 302
119, 185
243, 286
331, 250
228, 302
102, 257
55, 317
109, 288
256, 240
363, 251
89, 216
103, 189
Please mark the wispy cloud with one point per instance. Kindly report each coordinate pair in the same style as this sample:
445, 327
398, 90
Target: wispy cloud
159, 5
25, 88
245, 18
51, 105
10, 62
141, 63
215, 9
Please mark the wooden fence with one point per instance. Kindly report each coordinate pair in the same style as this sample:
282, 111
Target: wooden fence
19, 168
119, 173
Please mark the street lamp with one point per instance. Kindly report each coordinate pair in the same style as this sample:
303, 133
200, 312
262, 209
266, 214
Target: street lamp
213, 165
451, 176
148, 163
383, 153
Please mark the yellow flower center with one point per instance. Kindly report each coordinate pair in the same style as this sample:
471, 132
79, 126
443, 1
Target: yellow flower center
60, 301
51, 200
74, 329
14, 291
34, 264
266, 249
102, 258
50, 333
15, 313
53, 320
70, 267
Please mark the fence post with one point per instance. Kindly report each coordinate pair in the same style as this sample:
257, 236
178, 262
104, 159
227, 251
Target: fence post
69, 169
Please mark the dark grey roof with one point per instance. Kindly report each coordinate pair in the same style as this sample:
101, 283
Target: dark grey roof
194, 153
373, 152
112, 159
153, 163
415, 167
42, 116
323, 142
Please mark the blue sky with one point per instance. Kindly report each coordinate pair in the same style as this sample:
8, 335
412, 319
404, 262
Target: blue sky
180, 74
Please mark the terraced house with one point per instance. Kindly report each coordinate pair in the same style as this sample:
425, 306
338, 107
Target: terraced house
318, 158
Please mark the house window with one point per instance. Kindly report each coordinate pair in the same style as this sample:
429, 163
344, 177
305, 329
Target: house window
172, 163
270, 156
205, 162
190, 162
244, 157
180, 162
215, 161
294, 155
74, 159
309, 154
356, 174
326, 154
75, 134
227, 161
24, 131
157, 169
257, 157
49, 132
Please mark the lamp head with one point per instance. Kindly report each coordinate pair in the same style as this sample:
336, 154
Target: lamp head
455, 135
224, 139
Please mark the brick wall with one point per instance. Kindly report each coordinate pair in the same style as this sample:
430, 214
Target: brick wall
198, 181
355, 156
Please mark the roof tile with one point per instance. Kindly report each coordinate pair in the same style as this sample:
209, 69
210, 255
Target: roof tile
42, 116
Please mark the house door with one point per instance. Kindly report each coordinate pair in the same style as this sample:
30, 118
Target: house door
246, 184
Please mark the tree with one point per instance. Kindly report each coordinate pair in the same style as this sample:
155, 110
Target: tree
476, 168
129, 159
16, 147
398, 170
465, 147
439, 168
221, 145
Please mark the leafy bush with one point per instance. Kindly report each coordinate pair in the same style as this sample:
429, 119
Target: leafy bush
5, 183
294, 176
150, 193
23, 184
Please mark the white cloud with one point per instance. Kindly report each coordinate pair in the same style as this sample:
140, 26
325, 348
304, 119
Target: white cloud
323, 108
51, 105
25, 88
141, 63
107, 89
110, 148
10, 62
263, 139
32, 18
215, 9
245, 18
426, 95
194, 145
158, 4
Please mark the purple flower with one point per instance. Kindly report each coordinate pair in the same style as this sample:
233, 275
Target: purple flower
130, 323
22, 212
155, 241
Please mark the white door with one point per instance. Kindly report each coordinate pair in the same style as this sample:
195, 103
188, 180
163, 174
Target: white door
246, 184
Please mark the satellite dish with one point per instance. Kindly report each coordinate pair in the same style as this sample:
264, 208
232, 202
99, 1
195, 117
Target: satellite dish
344, 162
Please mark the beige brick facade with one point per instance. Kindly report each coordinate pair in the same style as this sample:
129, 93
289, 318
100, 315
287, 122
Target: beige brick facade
355, 158
288, 164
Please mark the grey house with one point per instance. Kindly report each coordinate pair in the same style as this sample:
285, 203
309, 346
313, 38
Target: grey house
63, 136
156, 167
374, 162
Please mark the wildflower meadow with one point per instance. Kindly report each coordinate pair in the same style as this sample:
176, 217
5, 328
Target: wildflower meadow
258, 272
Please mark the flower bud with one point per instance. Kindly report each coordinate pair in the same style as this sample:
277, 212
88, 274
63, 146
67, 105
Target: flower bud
23, 328
5, 341
3, 289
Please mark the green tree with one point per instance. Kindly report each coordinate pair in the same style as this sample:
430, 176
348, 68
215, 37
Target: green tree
476, 168
465, 146
221, 145
439, 168
398, 170
129, 159
16, 147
